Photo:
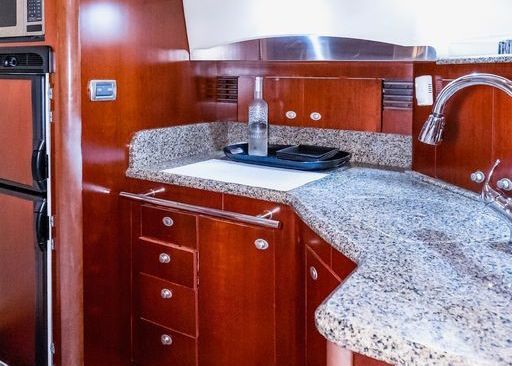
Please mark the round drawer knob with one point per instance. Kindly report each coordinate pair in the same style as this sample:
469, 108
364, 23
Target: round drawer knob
477, 177
164, 258
167, 221
261, 244
291, 115
505, 184
313, 273
166, 293
315, 116
166, 339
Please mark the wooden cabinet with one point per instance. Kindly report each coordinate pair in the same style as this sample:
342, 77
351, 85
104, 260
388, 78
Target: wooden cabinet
325, 269
338, 103
236, 294
215, 288
345, 104
207, 291
164, 287
320, 283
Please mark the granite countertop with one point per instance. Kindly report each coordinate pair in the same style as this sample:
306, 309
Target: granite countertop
433, 284
485, 59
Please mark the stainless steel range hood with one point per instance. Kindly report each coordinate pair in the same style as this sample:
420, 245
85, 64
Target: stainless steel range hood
313, 48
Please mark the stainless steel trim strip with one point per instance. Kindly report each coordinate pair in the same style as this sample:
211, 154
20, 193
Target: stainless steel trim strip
229, 215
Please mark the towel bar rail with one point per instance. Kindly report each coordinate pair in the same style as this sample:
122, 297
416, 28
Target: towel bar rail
261, 220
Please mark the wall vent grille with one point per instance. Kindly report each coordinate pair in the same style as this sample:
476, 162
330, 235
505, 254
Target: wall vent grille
227, 89
397, 94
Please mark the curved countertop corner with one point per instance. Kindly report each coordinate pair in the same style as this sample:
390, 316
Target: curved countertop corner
433, 284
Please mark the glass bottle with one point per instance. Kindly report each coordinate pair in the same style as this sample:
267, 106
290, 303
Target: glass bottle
258, 122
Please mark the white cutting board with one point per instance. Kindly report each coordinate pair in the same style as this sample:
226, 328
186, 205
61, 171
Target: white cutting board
246, 174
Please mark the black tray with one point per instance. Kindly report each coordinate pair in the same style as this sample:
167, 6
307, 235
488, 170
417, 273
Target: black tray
306, 153
238, 152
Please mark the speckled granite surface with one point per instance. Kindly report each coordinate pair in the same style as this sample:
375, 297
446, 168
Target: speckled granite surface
150, 147
492, 59
434, 279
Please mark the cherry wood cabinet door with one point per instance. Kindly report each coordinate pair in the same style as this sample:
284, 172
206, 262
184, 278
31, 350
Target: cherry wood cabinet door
285, 98
236, 295
343, 103
320, 282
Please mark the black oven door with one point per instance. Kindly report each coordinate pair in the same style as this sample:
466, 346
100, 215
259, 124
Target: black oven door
23, 132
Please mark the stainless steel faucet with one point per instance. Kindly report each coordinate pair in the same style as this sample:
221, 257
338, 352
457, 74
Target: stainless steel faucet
432, 131
432, 134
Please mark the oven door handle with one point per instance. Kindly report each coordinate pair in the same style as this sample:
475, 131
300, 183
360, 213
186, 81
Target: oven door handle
40, 162
42, 225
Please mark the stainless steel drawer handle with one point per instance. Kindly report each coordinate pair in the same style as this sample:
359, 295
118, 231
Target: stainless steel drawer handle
164, 258
228, 215
261, 244
313, 273
166, 339
167, 221
315, 116
166, 293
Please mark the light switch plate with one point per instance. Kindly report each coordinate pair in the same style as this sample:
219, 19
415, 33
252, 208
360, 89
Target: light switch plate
102, 90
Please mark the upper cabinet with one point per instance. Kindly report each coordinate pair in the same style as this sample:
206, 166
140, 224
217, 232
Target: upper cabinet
451, 27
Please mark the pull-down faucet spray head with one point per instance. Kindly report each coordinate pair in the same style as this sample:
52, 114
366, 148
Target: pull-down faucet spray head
432, 131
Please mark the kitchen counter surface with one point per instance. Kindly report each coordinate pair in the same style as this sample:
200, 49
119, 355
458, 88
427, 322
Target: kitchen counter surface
433, 284
486, 59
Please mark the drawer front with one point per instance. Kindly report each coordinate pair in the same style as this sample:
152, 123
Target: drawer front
169, 226
159, 346
167, 262
166, 303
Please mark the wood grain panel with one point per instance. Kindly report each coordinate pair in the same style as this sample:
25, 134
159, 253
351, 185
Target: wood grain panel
346, 104
283, 95
467, 139
16, 130
177, 313
181, 269
19, 272
316, 292
182, 229
283, 70
502, 132
424, 156
149, 350
397, 121
476, 132
143, 45
236, 295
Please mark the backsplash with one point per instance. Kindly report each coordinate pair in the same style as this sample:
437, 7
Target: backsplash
150, 147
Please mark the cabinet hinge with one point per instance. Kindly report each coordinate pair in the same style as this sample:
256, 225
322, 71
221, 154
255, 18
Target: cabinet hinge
51, 117
52, 221
50, 93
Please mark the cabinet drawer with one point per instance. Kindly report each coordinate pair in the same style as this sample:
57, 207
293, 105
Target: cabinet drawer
165, 261
158, 346
169, 226
166, 303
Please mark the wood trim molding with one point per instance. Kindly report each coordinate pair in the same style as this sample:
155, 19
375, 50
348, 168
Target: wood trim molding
68, 187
